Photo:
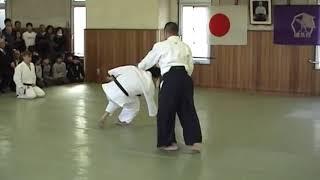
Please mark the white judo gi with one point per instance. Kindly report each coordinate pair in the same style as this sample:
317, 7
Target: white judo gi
25, 79
136, 82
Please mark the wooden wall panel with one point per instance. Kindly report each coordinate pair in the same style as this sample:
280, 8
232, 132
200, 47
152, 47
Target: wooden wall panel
261, 66
106, 49
258, 66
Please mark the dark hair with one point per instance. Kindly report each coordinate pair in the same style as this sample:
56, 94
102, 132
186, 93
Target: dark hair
26, 53
16, 22
7, 20
155, 72
48, 27
69, 55
29, 24
172, 28
31, 49
59, 28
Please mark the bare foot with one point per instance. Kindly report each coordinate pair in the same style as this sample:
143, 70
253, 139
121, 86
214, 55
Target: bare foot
173, 147
195, 148
122, 124
101, 123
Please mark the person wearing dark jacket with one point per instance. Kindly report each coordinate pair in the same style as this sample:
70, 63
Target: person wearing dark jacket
6, 67
19, 43
59, 42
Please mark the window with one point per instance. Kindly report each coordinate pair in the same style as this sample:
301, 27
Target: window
78, 26
2, 12
194, 31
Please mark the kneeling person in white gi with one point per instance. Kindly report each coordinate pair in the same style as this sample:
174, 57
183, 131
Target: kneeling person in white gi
25, 79
127, 83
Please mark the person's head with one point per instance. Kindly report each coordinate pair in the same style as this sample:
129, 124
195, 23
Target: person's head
260, 3
7, 22
49, 29
29, 27
46, 61
18, 35
2, 43
16, 54
31, 49
155, 72
42, 28
35, 58
27, 57
59, 59
171, 29
17, 24
69, 57
9, 29
59, 31
38, 62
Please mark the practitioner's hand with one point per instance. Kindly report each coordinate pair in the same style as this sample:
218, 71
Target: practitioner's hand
109, 79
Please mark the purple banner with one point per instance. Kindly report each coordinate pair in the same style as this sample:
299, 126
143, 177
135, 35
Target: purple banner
296, 24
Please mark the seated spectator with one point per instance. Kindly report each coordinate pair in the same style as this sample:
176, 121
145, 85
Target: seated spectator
46, 72
75, 69
59, 71
59, 42
16, 57
19, 43
25, 79
29, 36
38, 66
6, 67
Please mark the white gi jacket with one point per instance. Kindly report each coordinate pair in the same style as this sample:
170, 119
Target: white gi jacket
168, 53
29, 75
136, 82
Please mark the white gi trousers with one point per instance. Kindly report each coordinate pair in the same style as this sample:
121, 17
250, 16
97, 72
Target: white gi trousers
117, 99
30, 92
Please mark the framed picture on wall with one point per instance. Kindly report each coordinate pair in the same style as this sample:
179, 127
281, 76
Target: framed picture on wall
260, 12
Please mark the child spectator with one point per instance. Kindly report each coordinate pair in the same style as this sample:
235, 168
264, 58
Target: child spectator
46, 72
75, 69
59, 71
40, 81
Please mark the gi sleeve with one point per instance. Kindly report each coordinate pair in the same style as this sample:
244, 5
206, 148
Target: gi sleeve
151, 59
17, 77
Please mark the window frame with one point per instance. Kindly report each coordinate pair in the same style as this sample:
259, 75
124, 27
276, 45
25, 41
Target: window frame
197, 60
3, 6
75, 4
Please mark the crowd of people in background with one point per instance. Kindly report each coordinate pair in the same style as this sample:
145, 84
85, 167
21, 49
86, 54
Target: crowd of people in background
54, 65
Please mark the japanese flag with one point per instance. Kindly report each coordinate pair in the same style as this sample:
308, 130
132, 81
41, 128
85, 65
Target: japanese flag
228, 25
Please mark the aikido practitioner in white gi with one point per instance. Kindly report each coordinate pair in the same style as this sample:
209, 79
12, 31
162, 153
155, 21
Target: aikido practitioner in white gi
25, 79
174, 58
126, 84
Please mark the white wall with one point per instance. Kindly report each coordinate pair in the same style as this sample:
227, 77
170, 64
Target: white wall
122, 14
164, 12
54, 12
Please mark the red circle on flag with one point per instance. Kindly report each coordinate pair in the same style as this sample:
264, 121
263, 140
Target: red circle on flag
219, 25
